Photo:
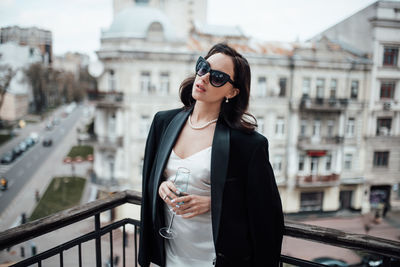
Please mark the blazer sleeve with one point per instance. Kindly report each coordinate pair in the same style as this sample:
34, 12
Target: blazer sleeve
264, 209
145, 241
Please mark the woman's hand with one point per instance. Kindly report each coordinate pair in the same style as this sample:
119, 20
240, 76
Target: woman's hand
167, 191
192, 206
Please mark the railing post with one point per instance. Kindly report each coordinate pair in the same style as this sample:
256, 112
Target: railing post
98, 239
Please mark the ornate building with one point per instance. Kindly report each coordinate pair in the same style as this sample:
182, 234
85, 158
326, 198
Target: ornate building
311, 100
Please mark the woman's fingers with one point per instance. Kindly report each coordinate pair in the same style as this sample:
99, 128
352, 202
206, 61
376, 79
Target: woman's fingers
192, 205
166, 192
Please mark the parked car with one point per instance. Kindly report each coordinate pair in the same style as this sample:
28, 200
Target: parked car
23, 146
47, 142
49, 126
34, 136
55, 121
331, 262
29, 142
7, 157
3, 183
17, 151
377, 261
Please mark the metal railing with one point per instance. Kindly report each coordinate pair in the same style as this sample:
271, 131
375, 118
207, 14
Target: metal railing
324, 104
388, 249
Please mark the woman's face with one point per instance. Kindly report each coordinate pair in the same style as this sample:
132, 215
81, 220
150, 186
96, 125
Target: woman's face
204, 91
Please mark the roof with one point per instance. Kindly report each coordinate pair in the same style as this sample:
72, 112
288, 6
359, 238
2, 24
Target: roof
218, 30
134, 22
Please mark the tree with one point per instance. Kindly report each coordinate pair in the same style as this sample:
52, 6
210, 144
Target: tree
36, 74
6, 75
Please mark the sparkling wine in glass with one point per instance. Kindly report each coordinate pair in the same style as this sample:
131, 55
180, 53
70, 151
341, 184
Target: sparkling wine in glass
181, 183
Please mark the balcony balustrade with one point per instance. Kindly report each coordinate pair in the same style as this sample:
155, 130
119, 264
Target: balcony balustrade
330, 140
109, 141
107, 99
314, 180
323, 104
387, 249
319, 142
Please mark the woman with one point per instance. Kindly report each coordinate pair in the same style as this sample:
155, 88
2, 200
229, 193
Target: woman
232, 214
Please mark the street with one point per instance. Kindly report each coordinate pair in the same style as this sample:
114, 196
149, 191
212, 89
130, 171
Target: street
34, 169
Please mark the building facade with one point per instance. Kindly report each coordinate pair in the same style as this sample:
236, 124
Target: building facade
17, 97
375, 30
32, 37
311, 100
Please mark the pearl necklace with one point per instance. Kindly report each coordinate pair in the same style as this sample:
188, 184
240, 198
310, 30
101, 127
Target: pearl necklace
200, 127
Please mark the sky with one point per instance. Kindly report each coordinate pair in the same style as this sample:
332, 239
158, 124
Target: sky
76, 24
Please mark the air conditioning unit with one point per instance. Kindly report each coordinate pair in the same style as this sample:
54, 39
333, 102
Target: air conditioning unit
387, 105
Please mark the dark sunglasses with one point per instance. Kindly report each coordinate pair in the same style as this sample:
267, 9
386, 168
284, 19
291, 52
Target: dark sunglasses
217, 78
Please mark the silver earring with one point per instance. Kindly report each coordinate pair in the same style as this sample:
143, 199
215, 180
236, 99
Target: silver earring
227, 100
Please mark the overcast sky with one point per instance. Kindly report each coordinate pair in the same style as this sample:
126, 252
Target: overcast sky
76, 24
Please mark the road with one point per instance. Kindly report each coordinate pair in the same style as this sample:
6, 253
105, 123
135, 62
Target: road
20, 172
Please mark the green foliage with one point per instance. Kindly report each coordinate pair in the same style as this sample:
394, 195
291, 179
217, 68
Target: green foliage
62, 193
4, 138
82, 151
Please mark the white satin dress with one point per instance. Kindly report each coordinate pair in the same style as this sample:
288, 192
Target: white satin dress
193, 246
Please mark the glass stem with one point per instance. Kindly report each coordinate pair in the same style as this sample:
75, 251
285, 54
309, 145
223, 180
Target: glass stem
170, 223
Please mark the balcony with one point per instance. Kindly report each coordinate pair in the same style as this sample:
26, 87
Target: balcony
317, 180
323, 104
319, 143
107, 99
109, 142
102, 237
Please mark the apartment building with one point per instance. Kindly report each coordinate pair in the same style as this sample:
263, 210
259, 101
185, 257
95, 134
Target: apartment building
313, 101
32, 37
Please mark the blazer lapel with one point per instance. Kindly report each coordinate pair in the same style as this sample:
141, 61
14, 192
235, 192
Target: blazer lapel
166, 145
219, 168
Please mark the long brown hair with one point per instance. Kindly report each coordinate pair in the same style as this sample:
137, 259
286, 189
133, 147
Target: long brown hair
234, 113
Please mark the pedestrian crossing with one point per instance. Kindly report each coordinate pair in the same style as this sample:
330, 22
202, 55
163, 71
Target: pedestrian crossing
4, 169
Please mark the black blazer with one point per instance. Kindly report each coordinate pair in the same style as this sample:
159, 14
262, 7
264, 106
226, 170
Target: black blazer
246, 210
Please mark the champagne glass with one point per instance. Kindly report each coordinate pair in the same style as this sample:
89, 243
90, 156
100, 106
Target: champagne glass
181, 183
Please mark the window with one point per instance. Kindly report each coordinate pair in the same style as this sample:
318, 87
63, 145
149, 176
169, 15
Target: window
330, 128
354, 89
260, 124
144, 2
350, 127
328, 162
390, 55
387, 89
112, 125
280, 126
320, 88
164, 83
282, 86
316, 128
306, 86
145, 86
111, 80
144, 125
277, 163
155, 32
311, 201
381, 158
333, 88
383, 126
301, 162
314, 165
303, 127
348, 158
262, 86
